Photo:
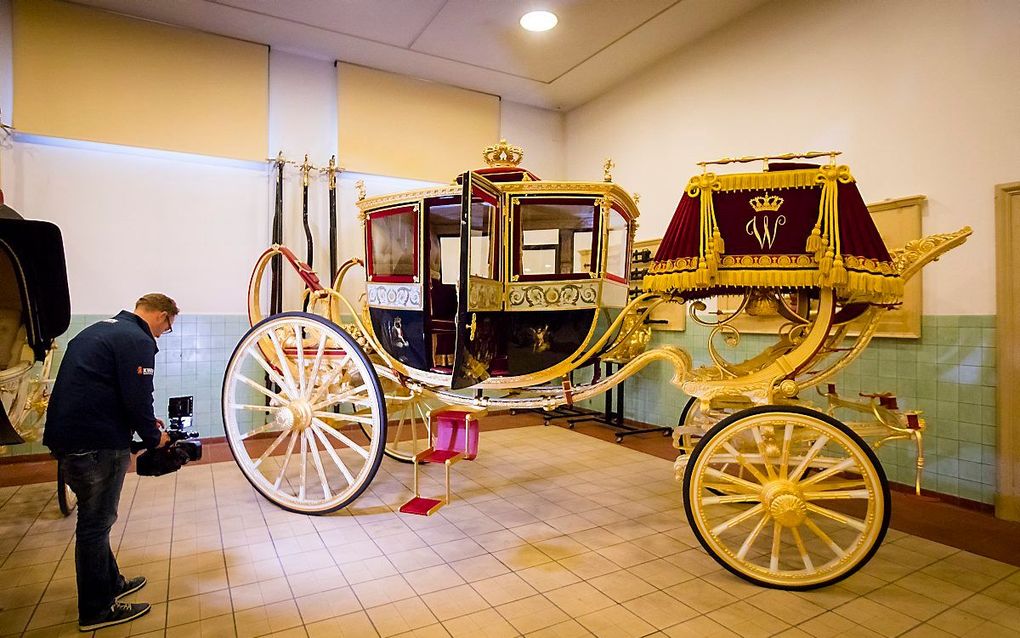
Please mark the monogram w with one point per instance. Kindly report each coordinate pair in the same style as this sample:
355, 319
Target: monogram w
767, 234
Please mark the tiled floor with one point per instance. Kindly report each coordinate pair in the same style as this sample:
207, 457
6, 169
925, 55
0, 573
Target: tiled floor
553, 534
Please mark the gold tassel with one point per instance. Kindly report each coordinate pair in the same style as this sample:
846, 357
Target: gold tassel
814, 241
720, 246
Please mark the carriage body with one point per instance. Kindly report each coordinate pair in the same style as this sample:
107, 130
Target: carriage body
34, 311
482, 284
489, 292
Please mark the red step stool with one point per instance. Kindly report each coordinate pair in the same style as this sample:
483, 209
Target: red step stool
456, 439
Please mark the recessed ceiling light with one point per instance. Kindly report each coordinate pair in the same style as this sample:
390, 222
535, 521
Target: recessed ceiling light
539, 20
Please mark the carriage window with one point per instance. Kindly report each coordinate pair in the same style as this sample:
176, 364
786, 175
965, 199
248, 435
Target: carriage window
394, 244
616, 247
481, 251
556, 238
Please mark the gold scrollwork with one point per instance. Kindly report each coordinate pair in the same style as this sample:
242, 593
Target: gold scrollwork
544, 296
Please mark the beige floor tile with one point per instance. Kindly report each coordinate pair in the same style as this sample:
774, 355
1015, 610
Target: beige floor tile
195, 584
1004, 591
531, 614
699, 627
479, 567
207, 628
486, 623
956, 621
505, 538
596, 538
328, 604
260, 593
456, 601
908, 602
747, 620
26, 595
504, 588
621, 585
560, 547
67, 630
566, 629
660, 610
452, 551
430, 631
548, 576
266, 619
414, 559
245, 573
431, 579
876, 617
55, 613
401, 616
785, 605
660, 573
196, 608
579, 599
305, 561
369, 569
317, 580
521, 557
927, 631
382, 591
353, 625
615, 621
701, 595
589, 565
992, 610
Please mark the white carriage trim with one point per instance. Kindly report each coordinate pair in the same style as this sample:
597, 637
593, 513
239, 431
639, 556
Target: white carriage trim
560, 295
395, 296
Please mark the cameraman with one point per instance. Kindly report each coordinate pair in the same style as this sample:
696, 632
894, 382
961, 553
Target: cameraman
102, 395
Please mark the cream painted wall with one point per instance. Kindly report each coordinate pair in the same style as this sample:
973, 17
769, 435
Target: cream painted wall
135, 220
922, 98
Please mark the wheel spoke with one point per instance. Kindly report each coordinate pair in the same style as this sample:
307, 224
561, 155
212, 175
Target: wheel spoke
353, 418
756, 433
784, 462
739, 457
338, 369
815, 449
803, 550
738, 519
825, 495
254, 353
332, 454
777, 534
284, 366
730, 498
821, 476
822, 536
254, 408
749, 541
299, 345
272, 446
304, 468
286, 460
340, 436
333, 399
264, 390
318, 361
262, 429
318, 463
849, 521
747, 486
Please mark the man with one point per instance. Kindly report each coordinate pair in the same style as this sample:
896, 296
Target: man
101, 397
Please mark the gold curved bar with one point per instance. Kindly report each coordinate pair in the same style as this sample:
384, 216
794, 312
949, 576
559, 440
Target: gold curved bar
917, 254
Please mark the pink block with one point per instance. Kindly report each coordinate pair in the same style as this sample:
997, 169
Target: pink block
456, 431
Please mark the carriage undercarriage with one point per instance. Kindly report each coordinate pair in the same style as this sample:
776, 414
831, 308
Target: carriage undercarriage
777, 489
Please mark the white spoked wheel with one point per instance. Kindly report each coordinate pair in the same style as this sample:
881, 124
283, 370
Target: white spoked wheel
304, 414
408, 411
786, 497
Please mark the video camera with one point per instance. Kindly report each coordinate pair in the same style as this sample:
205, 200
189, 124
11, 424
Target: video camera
184, 445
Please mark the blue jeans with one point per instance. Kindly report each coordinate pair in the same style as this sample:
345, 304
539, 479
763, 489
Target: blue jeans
96, 477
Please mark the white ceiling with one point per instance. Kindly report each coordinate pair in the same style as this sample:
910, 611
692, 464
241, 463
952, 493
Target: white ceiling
476, 44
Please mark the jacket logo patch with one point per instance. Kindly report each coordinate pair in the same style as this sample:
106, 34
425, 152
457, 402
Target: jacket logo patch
145, 371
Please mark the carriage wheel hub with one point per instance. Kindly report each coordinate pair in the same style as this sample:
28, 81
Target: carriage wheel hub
784, 503
297, 415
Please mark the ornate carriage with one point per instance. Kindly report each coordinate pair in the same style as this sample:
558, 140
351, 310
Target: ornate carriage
489, 292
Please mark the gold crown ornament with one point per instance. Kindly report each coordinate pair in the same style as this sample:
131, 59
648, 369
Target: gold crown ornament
766, 202
503, 154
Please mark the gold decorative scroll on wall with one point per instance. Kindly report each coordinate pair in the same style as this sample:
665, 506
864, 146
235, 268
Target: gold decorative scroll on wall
399, 126
87, 74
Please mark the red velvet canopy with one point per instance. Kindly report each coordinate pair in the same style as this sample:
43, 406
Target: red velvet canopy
793, 226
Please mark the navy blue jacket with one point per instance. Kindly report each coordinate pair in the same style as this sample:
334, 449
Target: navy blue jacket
103, 391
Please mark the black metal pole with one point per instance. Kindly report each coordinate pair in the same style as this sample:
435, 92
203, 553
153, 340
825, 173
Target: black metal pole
332, 219
276, 264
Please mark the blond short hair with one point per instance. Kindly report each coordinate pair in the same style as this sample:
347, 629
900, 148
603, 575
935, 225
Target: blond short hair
158, 302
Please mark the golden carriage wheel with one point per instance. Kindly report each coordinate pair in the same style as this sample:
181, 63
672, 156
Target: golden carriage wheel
300, 441
809, 508
409, 430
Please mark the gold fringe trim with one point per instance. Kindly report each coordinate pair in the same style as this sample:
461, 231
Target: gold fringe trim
803, 178
862, 286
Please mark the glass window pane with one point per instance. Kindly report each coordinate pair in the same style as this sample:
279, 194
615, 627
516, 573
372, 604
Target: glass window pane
553, 237
616, 249
481, 236
393, 244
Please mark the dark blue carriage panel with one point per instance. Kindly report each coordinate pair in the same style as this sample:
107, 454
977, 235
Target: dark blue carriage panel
540, 340
401, 333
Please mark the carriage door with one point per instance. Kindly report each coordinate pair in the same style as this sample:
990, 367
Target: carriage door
479, 290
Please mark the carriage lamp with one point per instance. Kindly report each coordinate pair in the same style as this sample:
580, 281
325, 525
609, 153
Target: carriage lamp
539, 20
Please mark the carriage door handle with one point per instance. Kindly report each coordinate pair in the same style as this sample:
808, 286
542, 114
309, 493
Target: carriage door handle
473, 327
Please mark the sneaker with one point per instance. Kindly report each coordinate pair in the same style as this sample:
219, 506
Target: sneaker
131, 585
119, 613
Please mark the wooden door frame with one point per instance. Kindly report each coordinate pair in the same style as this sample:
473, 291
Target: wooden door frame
1007, 217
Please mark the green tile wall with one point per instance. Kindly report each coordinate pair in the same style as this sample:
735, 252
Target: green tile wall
949, 374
